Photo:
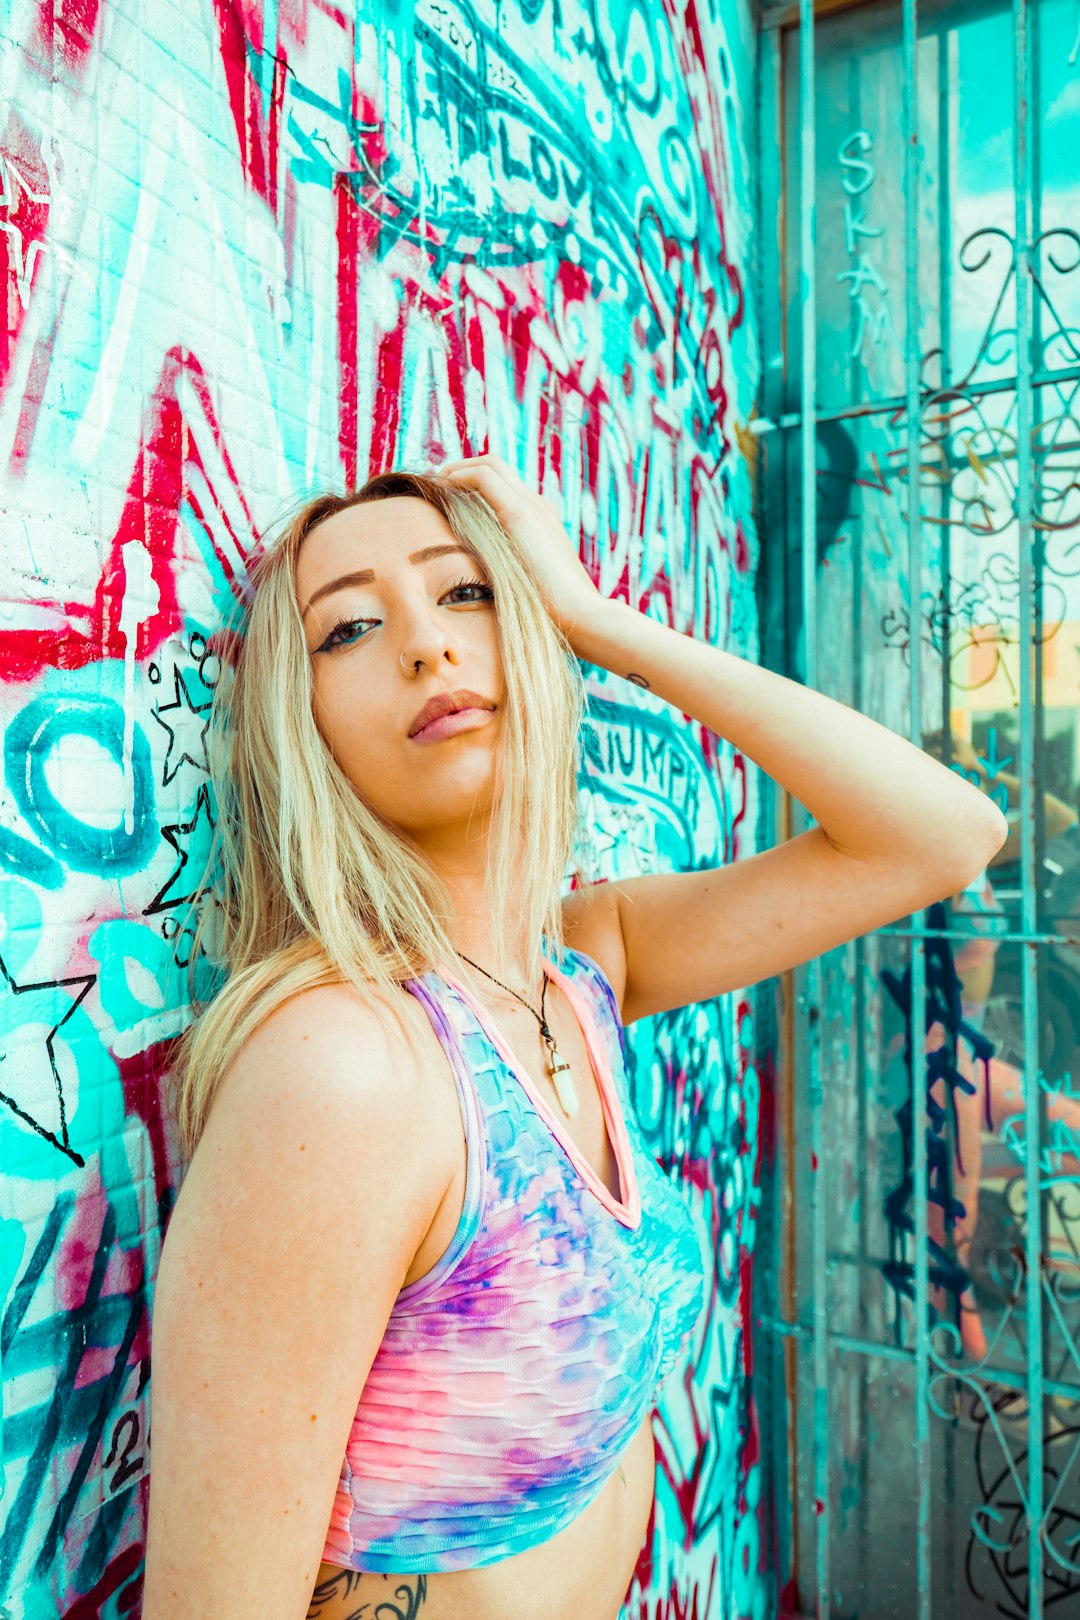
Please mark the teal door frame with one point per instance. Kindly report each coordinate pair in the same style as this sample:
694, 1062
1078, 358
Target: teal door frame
801, 1343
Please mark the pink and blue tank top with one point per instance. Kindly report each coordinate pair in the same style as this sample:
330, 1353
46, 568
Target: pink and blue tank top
511, 1376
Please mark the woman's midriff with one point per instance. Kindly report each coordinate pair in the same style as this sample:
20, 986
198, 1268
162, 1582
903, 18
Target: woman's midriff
583, 1570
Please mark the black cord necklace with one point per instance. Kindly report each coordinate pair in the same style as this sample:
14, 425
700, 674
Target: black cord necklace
559, 1071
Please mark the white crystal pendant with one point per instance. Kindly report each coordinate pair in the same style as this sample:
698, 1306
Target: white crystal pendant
563, 1081
558, 1070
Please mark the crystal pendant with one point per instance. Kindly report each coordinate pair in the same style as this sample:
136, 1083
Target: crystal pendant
563, 1082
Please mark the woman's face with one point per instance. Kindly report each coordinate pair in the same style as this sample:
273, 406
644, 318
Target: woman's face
396, 613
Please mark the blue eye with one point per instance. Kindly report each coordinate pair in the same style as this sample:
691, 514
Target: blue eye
350, 630
343, 624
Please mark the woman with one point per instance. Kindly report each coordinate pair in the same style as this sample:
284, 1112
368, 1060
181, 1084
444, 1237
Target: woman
423, 1278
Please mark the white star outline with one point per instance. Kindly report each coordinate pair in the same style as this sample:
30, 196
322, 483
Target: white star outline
24, 258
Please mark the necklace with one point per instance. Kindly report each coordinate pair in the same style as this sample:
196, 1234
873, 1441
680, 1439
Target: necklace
559, 1071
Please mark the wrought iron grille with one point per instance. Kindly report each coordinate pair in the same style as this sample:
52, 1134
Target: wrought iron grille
917, 1302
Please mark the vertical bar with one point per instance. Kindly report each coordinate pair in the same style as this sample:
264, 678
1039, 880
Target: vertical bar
777, 1268
948, 133
1022, 162
867, 1247
912, 356
808, 448
950, 1518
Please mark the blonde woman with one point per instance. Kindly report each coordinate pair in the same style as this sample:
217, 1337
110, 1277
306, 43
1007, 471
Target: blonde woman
423, 1277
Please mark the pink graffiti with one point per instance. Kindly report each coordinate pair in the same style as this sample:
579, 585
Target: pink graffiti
157, 490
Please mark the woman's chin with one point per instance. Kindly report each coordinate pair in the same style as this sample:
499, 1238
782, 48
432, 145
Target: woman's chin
443, 799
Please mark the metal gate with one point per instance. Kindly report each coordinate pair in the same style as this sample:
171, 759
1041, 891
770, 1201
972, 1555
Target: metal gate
917, 1303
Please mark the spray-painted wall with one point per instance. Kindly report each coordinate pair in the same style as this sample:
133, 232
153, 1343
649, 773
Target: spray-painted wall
248, 251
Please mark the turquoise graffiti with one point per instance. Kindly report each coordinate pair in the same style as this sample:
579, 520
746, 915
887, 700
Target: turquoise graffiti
250, 251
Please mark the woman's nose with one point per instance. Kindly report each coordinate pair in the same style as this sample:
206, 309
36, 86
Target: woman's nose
427, 642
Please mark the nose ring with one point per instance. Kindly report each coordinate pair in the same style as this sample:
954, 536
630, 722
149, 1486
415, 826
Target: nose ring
401, 659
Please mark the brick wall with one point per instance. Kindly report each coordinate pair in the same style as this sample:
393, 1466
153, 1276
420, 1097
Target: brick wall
248, 252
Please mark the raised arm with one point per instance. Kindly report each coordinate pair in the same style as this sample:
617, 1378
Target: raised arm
305, 1203
895, 830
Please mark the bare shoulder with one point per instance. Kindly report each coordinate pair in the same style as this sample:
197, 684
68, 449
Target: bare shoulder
327, 1052
312, 1187
325, 1089
350, 1038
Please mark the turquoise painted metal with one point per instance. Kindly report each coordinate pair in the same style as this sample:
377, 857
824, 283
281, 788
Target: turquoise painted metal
1035, 1120
912, 408
811, 992
920, 497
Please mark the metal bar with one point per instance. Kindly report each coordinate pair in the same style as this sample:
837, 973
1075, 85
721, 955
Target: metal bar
951, 1527
944, 460
1029, 897
893, 406
774, 1278
1012, 936
779, 1435
822, 1517
788, 16
851, 1344
912, 353
863, 1038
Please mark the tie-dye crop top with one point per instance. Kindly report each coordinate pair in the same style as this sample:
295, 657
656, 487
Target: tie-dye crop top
512, 1375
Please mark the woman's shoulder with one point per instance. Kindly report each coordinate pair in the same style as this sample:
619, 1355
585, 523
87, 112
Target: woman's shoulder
325, 1015
330, 1044
323, 1073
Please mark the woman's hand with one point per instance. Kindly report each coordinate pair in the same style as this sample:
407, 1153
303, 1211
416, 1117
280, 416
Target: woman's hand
568, 593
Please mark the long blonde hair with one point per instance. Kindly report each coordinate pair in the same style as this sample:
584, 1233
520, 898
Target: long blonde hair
305, 884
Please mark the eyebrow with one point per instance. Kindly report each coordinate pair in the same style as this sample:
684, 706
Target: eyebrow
366, 576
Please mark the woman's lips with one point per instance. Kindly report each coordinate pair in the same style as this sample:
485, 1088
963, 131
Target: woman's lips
448, 725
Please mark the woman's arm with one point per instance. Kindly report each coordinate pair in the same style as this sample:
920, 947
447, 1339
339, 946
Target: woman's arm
870, 791
896, 829
1058, 816
310, 1191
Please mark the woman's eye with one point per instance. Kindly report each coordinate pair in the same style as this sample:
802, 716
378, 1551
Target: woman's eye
347, 632
486, 592
345, 625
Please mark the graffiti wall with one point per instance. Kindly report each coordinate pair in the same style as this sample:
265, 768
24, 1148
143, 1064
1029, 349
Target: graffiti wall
249, 251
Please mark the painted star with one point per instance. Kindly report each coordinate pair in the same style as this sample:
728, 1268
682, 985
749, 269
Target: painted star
34, 1090
185, 713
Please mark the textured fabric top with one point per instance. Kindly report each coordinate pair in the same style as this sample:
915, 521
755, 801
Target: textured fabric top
513, 1374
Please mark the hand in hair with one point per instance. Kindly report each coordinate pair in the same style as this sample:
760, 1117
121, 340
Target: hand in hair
567, 591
